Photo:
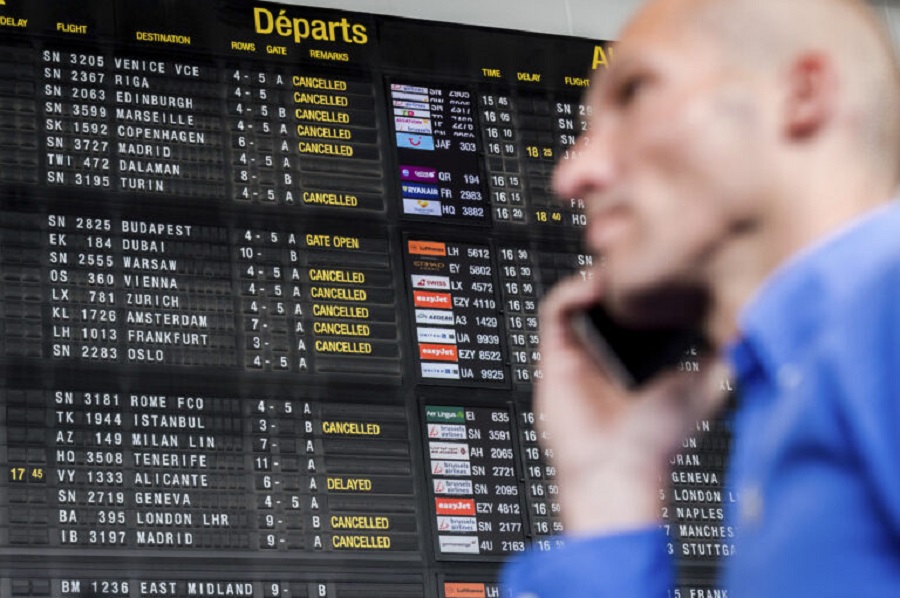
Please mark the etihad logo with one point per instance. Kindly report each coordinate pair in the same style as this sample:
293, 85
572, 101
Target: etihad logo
428, 266
301, 29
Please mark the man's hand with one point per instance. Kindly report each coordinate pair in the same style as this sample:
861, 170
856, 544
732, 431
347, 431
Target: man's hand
611, 446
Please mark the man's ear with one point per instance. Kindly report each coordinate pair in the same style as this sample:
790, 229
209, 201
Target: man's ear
812, 90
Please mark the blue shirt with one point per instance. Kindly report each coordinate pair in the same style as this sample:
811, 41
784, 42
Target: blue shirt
816, 458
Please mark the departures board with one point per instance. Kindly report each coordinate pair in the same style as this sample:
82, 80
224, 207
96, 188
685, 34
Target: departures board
268, 289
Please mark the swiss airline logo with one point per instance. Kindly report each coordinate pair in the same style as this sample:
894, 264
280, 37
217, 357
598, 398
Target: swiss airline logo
438, 353
435, 300
438, 283
427, 248
458, 506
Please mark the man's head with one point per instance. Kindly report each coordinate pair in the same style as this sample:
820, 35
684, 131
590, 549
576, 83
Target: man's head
727, 134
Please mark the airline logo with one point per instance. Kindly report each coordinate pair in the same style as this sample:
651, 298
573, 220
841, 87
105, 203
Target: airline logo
412, 106
458, 544
427, 248
412, 94
408, 88
446, 415
413, 125
447, 431
436, 335
441, 371
434, 316
412, 112
440, 283
449, 450
429, 266
451, 468
419, 174
453, 487
435, 300
438, 353
465, 590
416, 142
465, 525
455, 506
417, 191
422, 207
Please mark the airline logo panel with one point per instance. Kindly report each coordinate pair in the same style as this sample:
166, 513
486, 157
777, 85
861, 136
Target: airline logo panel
437, 147
453, 285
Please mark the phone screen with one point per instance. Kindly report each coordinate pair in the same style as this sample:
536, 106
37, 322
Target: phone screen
634, 355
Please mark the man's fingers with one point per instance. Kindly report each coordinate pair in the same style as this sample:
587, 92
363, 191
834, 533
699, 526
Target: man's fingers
567, 297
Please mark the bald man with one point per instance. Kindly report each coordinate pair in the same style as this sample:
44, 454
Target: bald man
737, 172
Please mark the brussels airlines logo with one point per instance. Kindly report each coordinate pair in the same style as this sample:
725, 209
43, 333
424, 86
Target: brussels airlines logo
453, 487
451, 468
457, 524
447, 431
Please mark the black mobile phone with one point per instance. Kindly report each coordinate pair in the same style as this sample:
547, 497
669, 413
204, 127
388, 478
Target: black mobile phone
631, 354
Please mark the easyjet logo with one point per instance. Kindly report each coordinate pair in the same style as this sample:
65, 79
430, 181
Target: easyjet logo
438, 352
438, 300
462, 506
427, 248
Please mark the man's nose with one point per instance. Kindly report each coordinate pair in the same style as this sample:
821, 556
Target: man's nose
589, 169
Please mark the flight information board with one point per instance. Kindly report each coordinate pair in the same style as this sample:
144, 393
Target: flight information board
269, 279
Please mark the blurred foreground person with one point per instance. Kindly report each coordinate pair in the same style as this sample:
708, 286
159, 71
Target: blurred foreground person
737, 172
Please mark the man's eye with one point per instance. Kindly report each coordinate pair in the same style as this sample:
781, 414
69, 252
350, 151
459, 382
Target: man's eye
629, 90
